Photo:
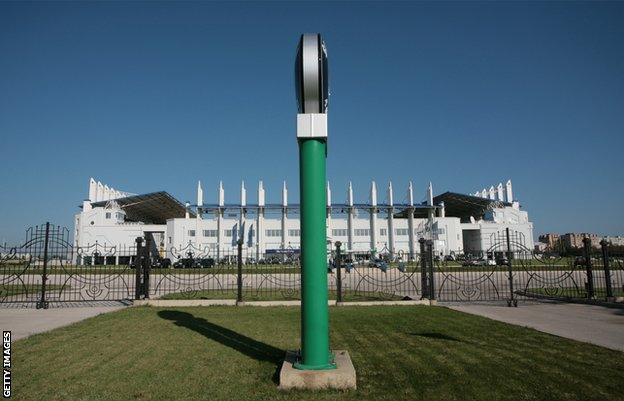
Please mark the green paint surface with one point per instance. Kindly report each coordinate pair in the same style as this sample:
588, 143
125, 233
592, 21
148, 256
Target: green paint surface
314, 311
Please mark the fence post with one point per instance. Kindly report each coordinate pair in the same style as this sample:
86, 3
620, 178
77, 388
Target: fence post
147, 260
510, 271
430, 258
607, 271
423, 270
588, 267
138, 268
239, 278
44, 276
338, 264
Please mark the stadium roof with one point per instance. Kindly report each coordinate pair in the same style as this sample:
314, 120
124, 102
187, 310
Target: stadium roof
152, 208
461, 205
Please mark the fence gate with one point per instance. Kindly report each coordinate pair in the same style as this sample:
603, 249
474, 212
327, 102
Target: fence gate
47, 268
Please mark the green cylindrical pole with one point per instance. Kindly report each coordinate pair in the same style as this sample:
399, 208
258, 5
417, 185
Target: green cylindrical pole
315, 353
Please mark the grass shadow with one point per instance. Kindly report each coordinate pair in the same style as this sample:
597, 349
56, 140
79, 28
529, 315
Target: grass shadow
245, 345
436, 336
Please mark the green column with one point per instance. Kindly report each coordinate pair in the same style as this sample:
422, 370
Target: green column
315, 353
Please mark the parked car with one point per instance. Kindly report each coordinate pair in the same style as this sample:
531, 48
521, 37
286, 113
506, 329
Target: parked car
449, 258
161, 263
502, 261
185, 263
206, 262
477, 262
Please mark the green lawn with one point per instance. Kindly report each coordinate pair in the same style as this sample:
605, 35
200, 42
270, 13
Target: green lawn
277, 295
227, 353
7, 290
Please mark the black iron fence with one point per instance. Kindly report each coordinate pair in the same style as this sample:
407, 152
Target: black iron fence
47, 268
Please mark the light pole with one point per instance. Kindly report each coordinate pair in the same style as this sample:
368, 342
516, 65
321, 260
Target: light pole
311, 81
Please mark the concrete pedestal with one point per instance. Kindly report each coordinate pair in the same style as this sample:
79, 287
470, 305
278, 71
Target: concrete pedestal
342, 378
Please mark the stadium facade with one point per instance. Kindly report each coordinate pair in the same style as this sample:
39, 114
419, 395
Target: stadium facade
456, 223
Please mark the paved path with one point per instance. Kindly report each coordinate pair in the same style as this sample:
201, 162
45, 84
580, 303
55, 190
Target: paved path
588, 323
23, 322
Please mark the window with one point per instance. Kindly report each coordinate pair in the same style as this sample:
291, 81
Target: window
339, 232
210, 233
170, 240
120, 216
383, 232
294, 233
108, 215
228, 233
273, 233
191, 233
401, 231
362, 232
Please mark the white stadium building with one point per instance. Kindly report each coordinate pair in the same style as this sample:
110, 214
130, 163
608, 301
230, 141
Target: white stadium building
456, 223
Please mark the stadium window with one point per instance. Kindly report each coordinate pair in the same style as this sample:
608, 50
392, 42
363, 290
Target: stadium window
401, 231
339, 232
108, 215
191, 233
383, 232
273, 233
362, 232
294, 232
210, 233
228, 233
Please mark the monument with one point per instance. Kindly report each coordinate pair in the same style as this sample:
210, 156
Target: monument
315, 366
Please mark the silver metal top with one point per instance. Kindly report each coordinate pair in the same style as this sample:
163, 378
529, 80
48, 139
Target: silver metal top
311, 74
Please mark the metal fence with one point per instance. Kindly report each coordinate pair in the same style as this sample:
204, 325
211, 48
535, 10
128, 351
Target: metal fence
47, 268
509, 271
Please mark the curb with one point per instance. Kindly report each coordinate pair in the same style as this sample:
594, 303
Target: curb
232, 302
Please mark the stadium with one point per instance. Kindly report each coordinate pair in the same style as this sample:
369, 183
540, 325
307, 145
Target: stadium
456, 223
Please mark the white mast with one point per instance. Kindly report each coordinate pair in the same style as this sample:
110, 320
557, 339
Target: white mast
373, 218
350, 216
492, 193
220, 211
200, 199
499, 192
390, 221
410, 220
243, 204
284, 217
260, 221
509, 191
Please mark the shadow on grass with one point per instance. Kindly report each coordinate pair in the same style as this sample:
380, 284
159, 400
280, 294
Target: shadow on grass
436, 336
243, 344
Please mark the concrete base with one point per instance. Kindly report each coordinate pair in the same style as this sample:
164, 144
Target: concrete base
341, 378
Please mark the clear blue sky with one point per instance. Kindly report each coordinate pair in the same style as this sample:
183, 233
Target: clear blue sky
154, 96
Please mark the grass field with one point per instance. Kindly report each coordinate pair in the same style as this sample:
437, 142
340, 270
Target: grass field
447, 267
225, 353
7, 290
277, 295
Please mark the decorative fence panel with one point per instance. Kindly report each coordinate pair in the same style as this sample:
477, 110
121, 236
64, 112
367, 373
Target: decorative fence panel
47, 268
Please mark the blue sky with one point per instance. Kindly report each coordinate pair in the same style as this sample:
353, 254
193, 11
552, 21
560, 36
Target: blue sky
154, 96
